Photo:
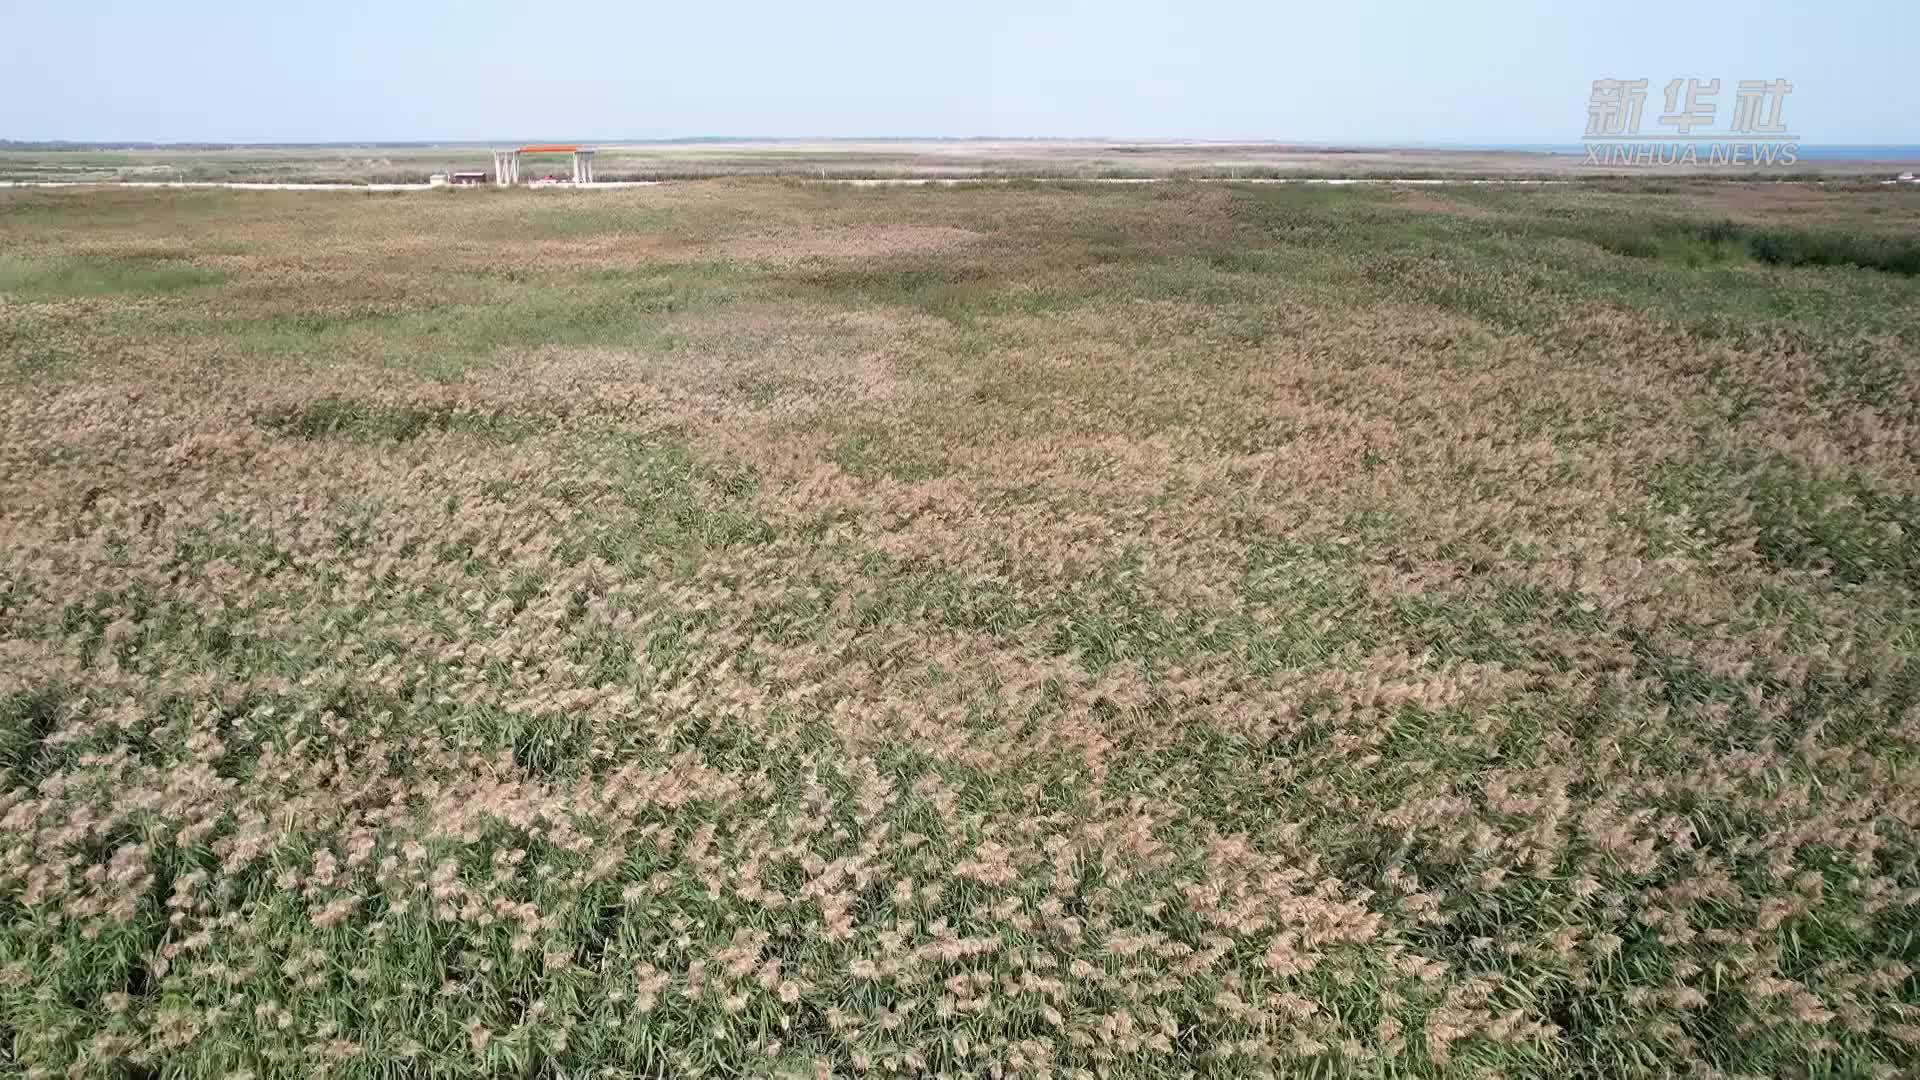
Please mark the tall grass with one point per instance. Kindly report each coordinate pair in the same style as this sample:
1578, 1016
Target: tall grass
764, 629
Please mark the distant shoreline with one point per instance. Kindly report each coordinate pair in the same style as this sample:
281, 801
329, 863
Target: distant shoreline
402, 164
1895, 152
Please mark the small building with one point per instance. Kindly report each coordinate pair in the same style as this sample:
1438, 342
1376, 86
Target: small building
469, 179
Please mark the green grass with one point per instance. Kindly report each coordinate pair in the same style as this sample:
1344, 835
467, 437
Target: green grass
1696, 245
94, 278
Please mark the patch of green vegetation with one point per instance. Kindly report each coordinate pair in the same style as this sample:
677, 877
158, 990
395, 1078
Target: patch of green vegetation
1792, 247
105, 278
1792, 517
682, 505
879, 450
337, 417
1716, 243
26, 719
469, 323
958, 292
1690, 246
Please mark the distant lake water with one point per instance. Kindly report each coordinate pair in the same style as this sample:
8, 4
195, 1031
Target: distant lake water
1909, 152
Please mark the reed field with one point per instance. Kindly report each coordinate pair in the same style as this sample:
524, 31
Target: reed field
750, 628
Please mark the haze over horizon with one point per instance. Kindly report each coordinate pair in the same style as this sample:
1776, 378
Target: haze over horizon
1391, 72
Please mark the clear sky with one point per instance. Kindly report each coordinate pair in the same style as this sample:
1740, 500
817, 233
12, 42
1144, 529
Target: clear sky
1329, 71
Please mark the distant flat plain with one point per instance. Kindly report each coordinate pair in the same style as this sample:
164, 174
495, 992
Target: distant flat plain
372, 163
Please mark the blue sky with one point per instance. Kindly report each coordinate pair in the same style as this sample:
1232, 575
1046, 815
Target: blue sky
1352, 71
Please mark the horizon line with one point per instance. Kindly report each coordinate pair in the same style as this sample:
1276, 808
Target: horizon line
1348, 143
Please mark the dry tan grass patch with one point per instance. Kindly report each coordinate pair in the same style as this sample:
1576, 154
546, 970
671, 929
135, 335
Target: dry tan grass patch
873, 241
